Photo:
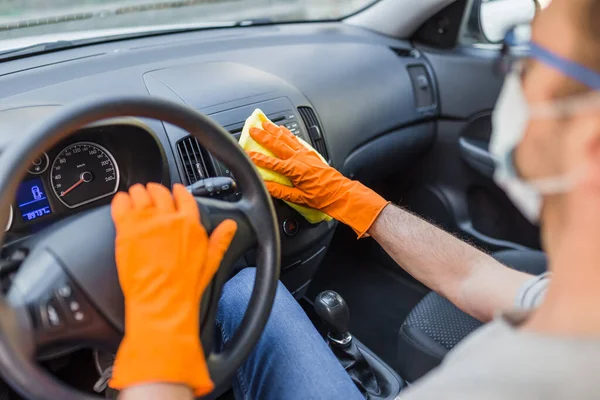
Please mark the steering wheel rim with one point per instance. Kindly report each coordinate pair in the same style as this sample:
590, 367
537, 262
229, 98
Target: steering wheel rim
16, 365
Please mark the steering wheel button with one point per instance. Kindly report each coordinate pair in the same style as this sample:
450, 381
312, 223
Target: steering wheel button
74, 306
79, 316
51, 315
65, 291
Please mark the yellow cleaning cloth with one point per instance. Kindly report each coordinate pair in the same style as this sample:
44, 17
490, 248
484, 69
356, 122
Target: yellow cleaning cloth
255, 121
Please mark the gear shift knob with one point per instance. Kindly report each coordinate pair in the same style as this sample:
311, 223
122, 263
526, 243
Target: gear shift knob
334, 312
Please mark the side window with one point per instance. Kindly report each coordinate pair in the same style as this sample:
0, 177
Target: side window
487, 21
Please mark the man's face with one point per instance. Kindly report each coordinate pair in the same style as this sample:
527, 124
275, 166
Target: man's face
539, 154
547, 148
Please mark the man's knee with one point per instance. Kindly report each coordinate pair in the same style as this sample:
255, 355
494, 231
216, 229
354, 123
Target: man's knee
236, 294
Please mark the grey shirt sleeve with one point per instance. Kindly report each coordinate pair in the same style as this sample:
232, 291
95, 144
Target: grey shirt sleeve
532, 292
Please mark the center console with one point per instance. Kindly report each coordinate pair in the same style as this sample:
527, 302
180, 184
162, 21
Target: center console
371, 375
304, 245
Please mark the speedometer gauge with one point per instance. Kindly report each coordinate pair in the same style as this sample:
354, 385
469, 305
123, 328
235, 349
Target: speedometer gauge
84, 172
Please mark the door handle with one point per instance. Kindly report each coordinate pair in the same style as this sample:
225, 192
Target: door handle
476, 154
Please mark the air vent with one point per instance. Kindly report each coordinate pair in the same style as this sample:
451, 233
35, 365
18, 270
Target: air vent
314, 130
405, 53
192, 159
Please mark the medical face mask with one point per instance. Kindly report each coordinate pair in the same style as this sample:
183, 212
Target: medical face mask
510, 121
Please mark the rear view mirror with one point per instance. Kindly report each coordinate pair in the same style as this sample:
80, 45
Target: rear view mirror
496, 17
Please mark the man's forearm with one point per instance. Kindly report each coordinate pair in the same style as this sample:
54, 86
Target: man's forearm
469, 278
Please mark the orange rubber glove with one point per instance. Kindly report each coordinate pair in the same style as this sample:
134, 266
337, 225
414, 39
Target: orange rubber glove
165, 261
316, 184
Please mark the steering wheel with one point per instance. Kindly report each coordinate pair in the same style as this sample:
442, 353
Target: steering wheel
67, 293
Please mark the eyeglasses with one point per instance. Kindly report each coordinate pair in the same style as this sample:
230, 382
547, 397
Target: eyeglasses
517, 45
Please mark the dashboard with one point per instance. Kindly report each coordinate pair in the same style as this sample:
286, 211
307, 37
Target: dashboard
381, 108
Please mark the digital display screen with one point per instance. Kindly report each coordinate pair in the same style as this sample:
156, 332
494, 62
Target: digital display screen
32, 200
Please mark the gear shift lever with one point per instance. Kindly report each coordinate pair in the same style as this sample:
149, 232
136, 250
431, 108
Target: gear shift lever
334, 312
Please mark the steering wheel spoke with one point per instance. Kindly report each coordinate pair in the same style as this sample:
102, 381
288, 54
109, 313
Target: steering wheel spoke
55, 314
213, 212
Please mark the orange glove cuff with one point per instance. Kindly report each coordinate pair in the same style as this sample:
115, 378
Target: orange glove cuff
358, 208
172, 360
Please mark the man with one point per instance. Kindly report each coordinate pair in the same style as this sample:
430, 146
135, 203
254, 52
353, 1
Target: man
546, 127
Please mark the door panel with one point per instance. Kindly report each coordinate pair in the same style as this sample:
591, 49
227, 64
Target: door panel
466, 80
452, 185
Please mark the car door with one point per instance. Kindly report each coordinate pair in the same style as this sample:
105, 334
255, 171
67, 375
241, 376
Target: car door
453, 184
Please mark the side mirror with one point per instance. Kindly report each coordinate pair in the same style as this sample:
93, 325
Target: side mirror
496, 17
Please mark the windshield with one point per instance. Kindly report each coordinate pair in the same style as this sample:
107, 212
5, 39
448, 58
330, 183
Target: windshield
29, 22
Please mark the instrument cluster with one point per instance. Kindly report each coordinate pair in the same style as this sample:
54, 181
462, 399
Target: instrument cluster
85, 171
